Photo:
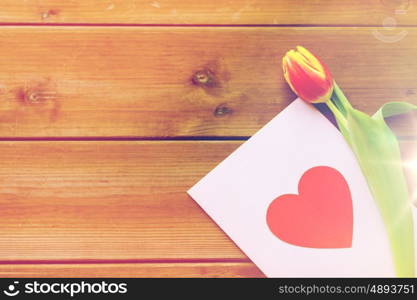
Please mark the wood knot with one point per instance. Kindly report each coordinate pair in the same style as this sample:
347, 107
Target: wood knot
50, 13
36, 93
204, 78
41, 96
30, 96
222, 110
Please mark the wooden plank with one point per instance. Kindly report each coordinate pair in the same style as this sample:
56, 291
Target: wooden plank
112, 201
362, 12
149, 270
170, 82
107, 200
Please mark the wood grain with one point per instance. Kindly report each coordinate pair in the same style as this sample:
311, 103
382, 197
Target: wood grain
176, 81
88, 201
357, 12
149, 270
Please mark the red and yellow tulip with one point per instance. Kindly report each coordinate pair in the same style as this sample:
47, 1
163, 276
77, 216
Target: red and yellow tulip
307, 76
374, 144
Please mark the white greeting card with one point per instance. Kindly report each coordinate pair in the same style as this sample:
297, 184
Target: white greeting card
293, 198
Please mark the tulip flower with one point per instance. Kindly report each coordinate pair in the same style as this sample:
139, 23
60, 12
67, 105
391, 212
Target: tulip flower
307, 76
374, 144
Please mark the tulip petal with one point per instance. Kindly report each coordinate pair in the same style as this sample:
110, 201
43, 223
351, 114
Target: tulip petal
312, 60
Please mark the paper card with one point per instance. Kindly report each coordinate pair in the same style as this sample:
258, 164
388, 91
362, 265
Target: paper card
293, 198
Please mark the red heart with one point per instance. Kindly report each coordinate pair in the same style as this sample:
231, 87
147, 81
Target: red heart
321, 216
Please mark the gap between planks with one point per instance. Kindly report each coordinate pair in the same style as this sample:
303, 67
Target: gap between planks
17, 24
122, 261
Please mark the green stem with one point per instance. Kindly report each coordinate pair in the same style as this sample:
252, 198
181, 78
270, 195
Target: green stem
337, 114
340, 118
377, 152
341, 97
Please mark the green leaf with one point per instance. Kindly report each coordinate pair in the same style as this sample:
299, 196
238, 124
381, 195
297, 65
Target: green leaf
392, 109
378, 154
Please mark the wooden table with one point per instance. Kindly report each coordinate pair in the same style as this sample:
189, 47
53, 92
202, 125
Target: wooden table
111, 109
